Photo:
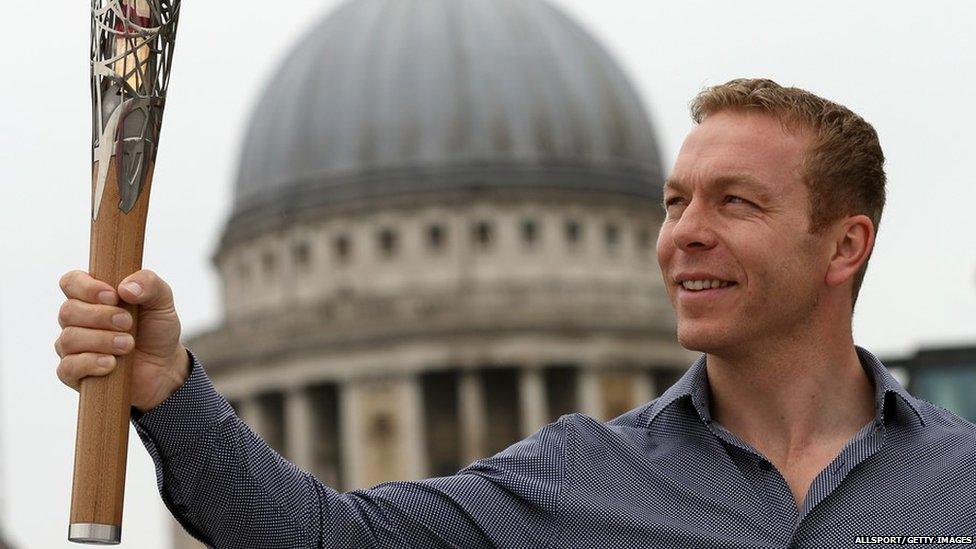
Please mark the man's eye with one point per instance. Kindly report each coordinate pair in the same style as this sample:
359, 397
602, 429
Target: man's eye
670, 201
744, 201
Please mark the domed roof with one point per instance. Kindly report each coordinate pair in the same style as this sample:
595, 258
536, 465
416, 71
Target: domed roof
394, 96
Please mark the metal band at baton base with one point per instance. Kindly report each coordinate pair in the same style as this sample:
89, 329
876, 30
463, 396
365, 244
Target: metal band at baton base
103, 534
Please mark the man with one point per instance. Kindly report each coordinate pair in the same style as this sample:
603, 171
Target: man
782, 434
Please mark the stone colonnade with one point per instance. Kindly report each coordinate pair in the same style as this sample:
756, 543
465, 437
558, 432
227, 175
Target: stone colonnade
360, 432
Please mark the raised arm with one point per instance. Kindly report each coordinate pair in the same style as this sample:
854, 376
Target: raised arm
228, 488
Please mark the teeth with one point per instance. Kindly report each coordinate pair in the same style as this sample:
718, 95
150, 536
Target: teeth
704, 284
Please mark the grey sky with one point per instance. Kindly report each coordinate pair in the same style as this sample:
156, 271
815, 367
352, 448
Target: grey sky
907, 68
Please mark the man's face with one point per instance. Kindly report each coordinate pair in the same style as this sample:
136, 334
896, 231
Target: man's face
737, 210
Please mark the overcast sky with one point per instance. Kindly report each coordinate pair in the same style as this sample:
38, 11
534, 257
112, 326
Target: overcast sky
906, 67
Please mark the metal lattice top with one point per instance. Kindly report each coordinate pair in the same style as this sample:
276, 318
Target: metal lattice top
131, 50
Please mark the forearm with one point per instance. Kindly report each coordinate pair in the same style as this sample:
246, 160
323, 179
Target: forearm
223, 483
228, 488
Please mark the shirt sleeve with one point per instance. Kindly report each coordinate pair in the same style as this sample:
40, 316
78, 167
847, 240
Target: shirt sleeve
228, 488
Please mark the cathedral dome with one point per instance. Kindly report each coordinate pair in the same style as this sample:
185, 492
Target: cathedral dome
388, 97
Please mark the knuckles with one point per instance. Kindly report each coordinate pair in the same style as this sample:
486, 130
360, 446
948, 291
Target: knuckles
71, 369
68, 336
66, 279
156, 292
144, 277
64, 313
81, 285
70, 280
63, 374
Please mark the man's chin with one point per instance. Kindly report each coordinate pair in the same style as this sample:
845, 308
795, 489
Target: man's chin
702, 339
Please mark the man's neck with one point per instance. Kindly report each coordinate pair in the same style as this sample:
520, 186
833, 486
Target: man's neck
788, 399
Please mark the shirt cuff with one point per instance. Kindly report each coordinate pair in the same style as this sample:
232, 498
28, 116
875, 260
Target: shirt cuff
189, 412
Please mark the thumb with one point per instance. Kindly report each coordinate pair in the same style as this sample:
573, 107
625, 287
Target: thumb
147, 289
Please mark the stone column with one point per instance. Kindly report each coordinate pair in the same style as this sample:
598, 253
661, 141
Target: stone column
532, 400
472, 409
412, 430
382, 431
300, 428
253, 414
351, 433
643, 385
590, 395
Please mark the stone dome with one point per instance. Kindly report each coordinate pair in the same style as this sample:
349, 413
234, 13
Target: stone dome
386, 97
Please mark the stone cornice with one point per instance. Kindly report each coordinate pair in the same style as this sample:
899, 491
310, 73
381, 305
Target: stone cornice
349, 322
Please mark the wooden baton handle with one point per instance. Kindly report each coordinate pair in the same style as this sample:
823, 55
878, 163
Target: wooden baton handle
102, 440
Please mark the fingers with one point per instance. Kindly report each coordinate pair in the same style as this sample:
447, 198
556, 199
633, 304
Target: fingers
147, 289
80, 285
142, 287
75, 340
75, 312
74, 367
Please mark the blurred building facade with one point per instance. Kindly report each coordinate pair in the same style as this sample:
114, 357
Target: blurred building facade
944, 375
442, 238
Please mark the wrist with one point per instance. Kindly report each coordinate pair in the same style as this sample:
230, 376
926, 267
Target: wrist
174, 377
180, 369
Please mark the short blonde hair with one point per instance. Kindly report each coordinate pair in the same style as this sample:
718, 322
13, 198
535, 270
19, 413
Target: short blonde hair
844, 168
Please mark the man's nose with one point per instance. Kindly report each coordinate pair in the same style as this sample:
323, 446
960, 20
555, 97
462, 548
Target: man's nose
695, 228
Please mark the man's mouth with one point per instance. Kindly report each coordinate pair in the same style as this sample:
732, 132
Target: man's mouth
705, 285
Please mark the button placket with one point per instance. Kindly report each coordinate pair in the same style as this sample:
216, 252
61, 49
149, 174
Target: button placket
778, 498
860, 448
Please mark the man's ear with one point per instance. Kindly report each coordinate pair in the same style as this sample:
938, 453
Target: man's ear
853, 242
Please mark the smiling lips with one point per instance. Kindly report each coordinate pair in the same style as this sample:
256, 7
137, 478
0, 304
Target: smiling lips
705, 293
702, 284
705, 284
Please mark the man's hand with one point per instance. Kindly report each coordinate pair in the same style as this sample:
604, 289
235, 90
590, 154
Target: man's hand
94, 329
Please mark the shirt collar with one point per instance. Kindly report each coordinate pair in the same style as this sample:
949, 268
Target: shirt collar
694, 384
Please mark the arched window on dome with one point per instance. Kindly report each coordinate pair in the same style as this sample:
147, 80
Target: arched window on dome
388, 242
268, 263
483, 234
573, 230
530, 233
343, 248
436, 237
643, 240
611, 234
301, 254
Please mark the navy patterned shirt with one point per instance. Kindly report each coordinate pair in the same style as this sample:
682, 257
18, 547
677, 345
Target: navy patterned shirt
662, 475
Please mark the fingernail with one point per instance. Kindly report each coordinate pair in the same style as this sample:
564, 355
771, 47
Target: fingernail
107, 297
122, 341
105, 361
121, 320
133, 287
